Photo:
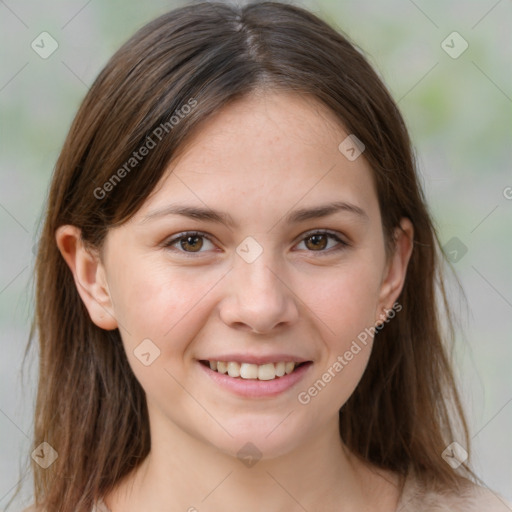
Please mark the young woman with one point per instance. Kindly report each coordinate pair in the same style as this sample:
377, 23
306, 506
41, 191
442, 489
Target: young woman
239, 287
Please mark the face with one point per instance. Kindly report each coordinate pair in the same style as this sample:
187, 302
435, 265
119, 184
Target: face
276, 275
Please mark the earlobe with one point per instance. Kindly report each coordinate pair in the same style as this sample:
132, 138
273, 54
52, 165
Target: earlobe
89, 276
396, 269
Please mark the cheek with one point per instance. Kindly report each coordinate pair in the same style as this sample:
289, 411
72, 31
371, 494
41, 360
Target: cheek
343, 303
169, 308
162, 304
343, 300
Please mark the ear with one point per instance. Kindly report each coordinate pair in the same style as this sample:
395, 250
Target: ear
396, 268
89, 275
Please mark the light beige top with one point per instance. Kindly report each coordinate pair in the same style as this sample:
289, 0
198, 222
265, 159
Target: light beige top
475, 499
414, 498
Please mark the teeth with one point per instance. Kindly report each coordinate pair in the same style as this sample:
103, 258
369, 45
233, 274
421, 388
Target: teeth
233, 369
248, 371
280, 369
268, 371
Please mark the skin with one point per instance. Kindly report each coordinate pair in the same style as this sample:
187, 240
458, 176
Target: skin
257, 159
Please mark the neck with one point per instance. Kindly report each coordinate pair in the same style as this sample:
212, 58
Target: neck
184, 473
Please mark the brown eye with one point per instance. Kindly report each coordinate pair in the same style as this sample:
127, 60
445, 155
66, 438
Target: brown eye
191, 243
317, 242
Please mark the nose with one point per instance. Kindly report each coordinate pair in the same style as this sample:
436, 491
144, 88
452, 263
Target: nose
258, 299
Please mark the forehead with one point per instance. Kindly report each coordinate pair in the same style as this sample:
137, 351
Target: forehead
266, 153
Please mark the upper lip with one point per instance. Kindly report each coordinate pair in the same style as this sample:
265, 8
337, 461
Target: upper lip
256, 359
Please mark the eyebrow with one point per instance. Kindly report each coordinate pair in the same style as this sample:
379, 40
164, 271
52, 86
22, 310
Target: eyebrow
296, 216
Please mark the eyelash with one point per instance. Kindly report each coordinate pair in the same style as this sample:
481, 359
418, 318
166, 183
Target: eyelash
341, 244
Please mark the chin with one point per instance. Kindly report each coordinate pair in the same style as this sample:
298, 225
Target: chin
258, 441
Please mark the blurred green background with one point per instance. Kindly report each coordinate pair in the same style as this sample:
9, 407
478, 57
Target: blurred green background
459, 114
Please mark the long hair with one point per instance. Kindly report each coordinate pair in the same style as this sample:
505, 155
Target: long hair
90, 407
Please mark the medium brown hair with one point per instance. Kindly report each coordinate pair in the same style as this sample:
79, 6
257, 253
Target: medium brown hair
90, 407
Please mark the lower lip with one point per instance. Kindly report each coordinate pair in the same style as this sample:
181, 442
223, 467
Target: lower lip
254, 388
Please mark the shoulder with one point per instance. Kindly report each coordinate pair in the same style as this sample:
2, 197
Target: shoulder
474, 498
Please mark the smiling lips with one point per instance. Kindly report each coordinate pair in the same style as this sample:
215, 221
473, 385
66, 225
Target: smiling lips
252, 376
268, 371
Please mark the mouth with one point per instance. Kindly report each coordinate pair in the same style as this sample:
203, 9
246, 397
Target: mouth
255, 372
